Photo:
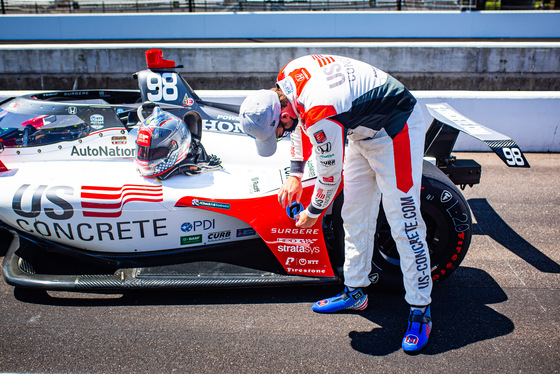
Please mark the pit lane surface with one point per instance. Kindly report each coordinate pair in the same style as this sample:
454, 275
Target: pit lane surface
499, 312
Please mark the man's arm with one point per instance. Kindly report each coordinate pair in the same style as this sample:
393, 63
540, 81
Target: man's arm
327, 137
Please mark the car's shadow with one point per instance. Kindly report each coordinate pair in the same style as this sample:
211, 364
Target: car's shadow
460, 309
490, 223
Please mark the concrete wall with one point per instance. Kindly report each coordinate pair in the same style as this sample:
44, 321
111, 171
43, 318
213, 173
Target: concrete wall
266, 25
532, 119
474, 69
420, 66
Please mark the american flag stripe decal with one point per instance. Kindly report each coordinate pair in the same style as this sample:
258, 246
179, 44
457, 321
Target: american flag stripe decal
323, 60
102, 201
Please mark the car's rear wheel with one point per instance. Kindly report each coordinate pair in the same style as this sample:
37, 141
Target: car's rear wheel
448, 233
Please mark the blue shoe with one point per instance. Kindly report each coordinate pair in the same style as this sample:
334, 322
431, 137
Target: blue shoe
356, 300
418, 332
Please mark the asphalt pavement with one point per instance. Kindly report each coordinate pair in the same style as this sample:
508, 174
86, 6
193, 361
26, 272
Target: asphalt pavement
498, 313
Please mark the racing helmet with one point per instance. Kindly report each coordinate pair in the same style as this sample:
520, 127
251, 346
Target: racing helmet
163, 141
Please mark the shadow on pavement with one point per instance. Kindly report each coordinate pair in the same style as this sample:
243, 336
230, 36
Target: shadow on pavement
461, 316
491, 224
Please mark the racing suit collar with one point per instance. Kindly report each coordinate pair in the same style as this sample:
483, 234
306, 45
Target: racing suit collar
288, 87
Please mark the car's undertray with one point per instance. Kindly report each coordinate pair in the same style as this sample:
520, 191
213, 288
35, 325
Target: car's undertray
29, 263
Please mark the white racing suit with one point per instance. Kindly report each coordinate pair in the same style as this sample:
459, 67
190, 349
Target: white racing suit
333, 95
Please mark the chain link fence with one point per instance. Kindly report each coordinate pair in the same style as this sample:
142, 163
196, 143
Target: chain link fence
158, 6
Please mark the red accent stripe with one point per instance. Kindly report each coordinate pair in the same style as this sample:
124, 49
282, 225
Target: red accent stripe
307, 147
317, 113
3, 167
403, 162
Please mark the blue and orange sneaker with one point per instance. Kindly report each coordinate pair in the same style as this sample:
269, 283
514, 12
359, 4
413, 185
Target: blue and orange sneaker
418, 333
355, 300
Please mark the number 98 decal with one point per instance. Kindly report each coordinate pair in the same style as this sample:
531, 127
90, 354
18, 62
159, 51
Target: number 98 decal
162, 86
513, 156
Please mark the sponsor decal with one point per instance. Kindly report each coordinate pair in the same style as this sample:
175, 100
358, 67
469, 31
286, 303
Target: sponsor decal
293, 231
210, 204
301, 261
373, 278
72, 110
101, 231
217, 236
328, 163
118, 140
96, 119
44, 197
102, 201
192, 239
187, 101
227, 117
287, 86
324, 148
245, 232
320, 136
102, 151
306, 271
294, 210
204, 225
311, 168
303, 248
300, 77
328, 179
410, 214
221, 126
411, 339
469, 126
255, 185
445, 196
296, 240
305, 262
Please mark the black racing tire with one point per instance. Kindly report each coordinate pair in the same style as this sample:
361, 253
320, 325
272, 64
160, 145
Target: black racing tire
448, 233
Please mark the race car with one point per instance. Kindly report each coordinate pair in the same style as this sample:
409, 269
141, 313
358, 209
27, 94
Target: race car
78, 215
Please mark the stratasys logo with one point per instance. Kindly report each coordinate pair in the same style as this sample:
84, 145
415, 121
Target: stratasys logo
295, 245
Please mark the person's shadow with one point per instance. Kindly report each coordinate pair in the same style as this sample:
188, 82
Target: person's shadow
460, 313
460, 304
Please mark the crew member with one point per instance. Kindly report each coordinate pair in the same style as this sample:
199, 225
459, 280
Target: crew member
319, 98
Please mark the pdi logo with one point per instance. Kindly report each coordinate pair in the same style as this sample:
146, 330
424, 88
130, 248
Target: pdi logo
198, 225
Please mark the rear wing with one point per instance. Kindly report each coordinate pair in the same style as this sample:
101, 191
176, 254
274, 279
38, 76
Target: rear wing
442, 135
501, 144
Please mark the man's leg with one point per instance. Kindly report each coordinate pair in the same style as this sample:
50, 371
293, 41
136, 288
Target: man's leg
398, 165
359, 212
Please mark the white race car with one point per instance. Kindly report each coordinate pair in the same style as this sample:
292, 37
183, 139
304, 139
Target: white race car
79, 216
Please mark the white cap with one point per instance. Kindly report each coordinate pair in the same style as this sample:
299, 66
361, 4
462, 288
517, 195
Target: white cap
259, 115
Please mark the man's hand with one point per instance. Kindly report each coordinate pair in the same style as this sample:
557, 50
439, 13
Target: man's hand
304, 221
290, 191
